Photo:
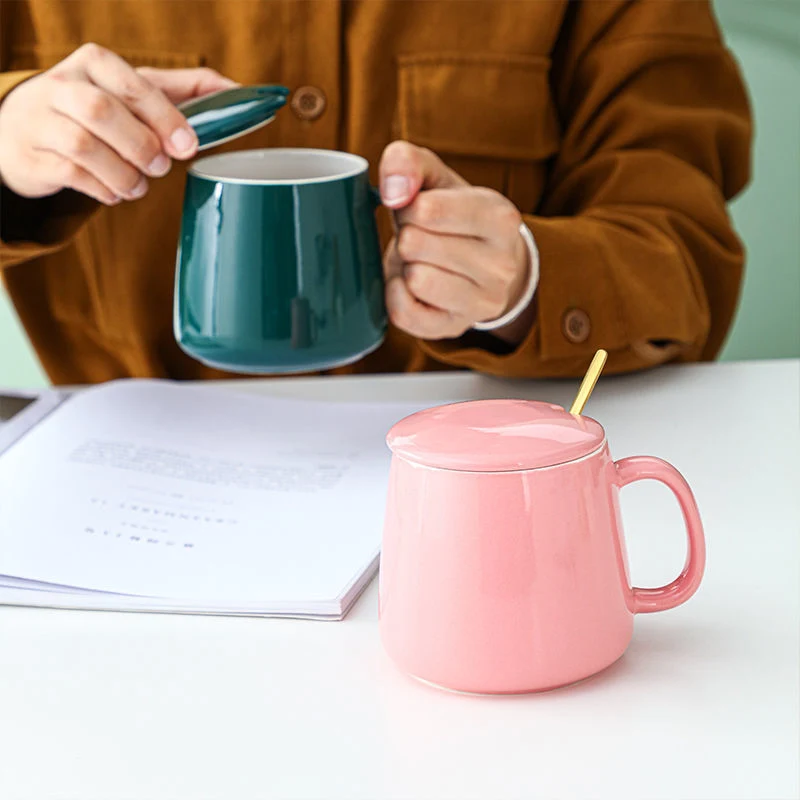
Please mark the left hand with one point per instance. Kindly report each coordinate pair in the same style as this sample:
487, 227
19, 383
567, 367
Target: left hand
458, 257
94, 124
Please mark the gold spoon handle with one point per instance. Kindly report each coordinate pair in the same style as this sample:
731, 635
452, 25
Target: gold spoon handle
589, 380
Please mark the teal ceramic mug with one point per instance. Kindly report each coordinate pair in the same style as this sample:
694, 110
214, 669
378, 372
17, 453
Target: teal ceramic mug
279, 264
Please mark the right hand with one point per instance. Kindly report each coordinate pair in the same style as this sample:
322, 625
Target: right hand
95, 124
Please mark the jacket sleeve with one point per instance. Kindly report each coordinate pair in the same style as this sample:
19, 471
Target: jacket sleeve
31, 228
637, 253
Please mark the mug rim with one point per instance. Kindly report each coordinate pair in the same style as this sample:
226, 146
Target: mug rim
361, 165
413, 440
602, 446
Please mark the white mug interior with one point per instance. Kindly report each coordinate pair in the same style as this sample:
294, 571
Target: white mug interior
279, 165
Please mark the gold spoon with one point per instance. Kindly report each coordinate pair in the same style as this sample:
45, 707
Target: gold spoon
589, 380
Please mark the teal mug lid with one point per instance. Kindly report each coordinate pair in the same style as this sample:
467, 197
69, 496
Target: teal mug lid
219, 117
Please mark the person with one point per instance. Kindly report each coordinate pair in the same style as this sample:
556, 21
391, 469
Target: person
612, 131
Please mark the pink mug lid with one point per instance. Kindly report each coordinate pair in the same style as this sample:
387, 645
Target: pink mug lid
494, 436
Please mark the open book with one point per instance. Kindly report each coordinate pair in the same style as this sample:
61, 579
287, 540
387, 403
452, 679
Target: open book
156, 496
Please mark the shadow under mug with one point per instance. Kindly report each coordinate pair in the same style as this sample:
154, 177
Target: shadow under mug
279, 265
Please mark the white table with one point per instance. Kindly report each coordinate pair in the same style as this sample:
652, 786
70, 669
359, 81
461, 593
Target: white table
703, 705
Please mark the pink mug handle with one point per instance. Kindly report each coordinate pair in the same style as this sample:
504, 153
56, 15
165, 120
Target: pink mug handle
685, 585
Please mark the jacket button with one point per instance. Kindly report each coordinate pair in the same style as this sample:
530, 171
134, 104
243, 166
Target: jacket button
576, 325
309, 103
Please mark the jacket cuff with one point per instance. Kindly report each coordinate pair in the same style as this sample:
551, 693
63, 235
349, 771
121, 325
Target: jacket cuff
577, 309
30, 228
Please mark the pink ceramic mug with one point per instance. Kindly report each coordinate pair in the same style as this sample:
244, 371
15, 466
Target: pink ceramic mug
503, 566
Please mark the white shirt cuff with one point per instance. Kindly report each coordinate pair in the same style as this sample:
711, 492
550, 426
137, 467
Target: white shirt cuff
530, 289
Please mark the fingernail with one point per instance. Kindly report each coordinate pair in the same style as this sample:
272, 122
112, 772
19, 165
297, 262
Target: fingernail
138, 190
395, 189
159, 166
183, 140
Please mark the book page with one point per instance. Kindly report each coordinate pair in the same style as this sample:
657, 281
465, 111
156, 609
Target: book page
163, 490
20, 411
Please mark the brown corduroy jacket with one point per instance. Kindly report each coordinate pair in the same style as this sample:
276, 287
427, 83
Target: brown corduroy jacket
619, 129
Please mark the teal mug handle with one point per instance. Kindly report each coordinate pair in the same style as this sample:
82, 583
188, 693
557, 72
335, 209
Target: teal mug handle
377, 202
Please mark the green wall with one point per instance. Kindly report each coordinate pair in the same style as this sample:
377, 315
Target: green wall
19, 367
765, 37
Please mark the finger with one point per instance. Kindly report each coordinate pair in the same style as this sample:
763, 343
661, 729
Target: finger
109, 72
392, 262
417, 319
179, 85
406, 169
471, 258
66, 138
108, 119
449, 292
71, 176
473, 211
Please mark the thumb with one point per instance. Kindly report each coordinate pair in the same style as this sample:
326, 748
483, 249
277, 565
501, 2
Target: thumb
184, 84
406, 170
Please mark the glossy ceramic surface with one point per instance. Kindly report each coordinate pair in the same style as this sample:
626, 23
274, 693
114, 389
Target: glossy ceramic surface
517, 581
222, 116
494, 435
279, 263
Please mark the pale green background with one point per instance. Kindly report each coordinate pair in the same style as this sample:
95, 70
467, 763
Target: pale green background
765, 37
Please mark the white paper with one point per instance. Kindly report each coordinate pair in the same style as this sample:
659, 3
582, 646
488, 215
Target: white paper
20, 411
198, 495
